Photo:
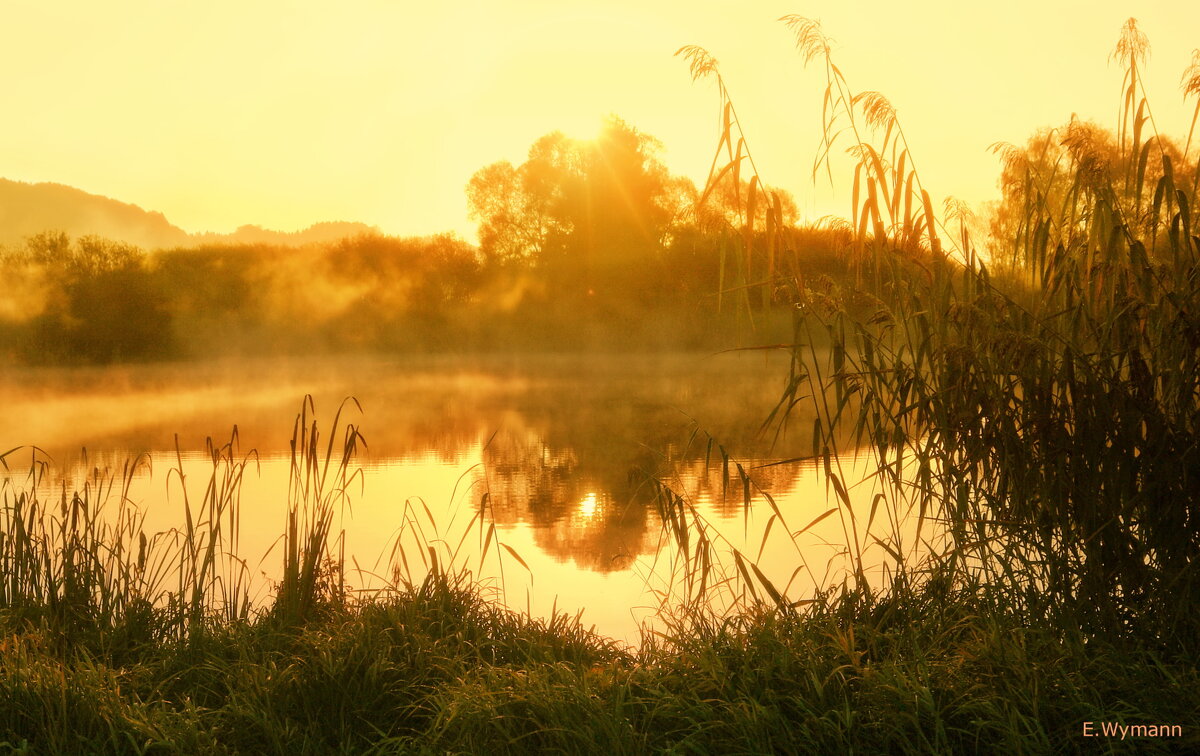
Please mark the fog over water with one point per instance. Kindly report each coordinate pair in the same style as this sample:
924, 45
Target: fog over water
563, 446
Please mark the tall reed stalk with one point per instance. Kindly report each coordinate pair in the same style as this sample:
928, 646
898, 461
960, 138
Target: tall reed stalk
751, 251
318, 490
211, 575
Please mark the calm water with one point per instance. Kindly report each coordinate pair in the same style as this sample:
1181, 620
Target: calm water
562, 446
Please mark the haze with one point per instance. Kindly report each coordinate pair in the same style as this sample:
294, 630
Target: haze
221, 114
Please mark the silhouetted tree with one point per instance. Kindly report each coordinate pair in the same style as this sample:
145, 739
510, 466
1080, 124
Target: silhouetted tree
593, 216
101, 303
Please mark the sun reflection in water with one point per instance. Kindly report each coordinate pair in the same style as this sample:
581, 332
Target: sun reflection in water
590, 506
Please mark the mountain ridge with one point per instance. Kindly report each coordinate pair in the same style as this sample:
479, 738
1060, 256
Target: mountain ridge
27, 209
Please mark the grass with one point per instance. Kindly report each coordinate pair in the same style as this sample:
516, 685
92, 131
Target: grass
439, 668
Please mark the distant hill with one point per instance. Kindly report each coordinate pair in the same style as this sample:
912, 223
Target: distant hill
314, 234
28, 209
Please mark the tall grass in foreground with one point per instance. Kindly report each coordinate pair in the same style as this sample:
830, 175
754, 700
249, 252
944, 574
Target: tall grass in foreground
1050, 422
67, 562
82, 562
211, 575
318, 489
78, 560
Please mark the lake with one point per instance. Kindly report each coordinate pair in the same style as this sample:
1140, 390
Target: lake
554, 454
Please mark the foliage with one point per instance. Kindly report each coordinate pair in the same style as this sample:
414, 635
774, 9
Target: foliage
102, 652
583, 211
90, 300
95, 301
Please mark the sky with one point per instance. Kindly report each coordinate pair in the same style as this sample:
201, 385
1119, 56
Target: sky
221, 113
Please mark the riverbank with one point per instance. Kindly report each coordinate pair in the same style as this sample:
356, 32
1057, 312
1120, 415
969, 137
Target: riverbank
440, 669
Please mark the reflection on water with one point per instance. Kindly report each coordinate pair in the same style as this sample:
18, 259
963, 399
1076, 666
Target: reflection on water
555, 451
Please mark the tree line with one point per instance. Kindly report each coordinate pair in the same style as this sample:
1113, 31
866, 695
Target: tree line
584, 244
587, 243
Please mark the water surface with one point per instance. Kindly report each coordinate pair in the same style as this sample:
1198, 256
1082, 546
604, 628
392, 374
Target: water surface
555, 452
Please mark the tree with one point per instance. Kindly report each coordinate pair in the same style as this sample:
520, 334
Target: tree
508, 229
102, 304
589, 215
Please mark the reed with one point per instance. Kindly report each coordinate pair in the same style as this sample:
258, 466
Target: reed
68, 560
212, 577
1052, 425
318, 491
79, 562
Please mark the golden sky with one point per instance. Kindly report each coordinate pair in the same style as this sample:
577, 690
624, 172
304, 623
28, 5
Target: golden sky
220, 113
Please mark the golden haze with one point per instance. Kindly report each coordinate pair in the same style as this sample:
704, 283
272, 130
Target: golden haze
284, 114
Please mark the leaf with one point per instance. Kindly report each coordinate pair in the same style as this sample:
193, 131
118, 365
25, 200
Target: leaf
727, 128
714, 183
737, 176
517, 556
766, 534
741, 565
880, 173
930, 220
792, 579
768, 585
751, 207
909, 230
876, 216
854, 194
840, 490
486, 544
894, 554
874, 506
898, 184
810, 525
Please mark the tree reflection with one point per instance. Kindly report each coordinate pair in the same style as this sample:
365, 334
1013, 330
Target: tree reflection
577, 470
582, 506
